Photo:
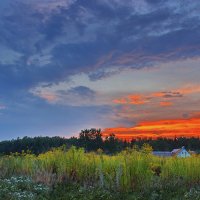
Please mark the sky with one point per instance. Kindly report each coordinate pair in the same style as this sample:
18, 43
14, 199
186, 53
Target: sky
129, 67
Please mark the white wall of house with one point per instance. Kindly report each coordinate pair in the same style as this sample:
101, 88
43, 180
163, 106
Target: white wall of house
183, 154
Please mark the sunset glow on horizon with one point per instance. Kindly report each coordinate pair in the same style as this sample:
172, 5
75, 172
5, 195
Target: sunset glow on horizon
156, 129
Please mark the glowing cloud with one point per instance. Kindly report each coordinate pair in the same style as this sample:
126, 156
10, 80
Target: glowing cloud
135, 99
140, 99
166, 103
161, 128
50, 97
189, 89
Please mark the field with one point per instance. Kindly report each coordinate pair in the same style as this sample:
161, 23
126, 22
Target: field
74, 174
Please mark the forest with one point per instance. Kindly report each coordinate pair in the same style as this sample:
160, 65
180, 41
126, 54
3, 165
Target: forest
92, 140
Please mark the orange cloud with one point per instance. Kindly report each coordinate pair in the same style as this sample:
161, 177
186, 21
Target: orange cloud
166, 103
161, 128
168, 94
190, 89
48, 97
135, 99
140, 99
120, 101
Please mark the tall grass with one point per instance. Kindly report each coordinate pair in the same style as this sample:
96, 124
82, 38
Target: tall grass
127, 171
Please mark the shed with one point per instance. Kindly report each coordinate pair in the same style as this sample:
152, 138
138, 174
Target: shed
180, 153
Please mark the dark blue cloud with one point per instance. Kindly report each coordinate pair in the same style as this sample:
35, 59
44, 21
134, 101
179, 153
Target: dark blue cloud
79, 55
75, 38
97, 75
48, 43
82, 91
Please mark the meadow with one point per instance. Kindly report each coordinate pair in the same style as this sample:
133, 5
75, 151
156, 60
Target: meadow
74, 174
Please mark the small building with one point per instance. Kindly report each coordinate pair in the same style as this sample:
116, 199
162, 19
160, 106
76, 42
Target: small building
180, 153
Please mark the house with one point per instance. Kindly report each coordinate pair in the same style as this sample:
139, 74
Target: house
180, 153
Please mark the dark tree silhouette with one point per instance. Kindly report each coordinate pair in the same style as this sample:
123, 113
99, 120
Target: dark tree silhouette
92, 140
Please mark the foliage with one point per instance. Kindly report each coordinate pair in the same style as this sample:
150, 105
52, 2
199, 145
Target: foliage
193, 194
146, 148
76, 192
125, 171
74, 174
92, 140
22, 188
93, 167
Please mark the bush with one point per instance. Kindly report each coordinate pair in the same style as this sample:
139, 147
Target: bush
22, 188
193, 194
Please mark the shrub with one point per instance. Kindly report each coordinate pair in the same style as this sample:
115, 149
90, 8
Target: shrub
22, 188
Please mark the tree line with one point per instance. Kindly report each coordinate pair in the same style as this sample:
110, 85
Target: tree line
92, 140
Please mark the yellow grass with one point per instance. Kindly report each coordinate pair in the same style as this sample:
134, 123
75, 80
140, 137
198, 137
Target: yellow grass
128, 170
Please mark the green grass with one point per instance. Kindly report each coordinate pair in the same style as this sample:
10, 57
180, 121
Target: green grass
137, 175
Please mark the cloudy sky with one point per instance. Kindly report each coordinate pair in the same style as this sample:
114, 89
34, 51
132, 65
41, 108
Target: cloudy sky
131, 67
